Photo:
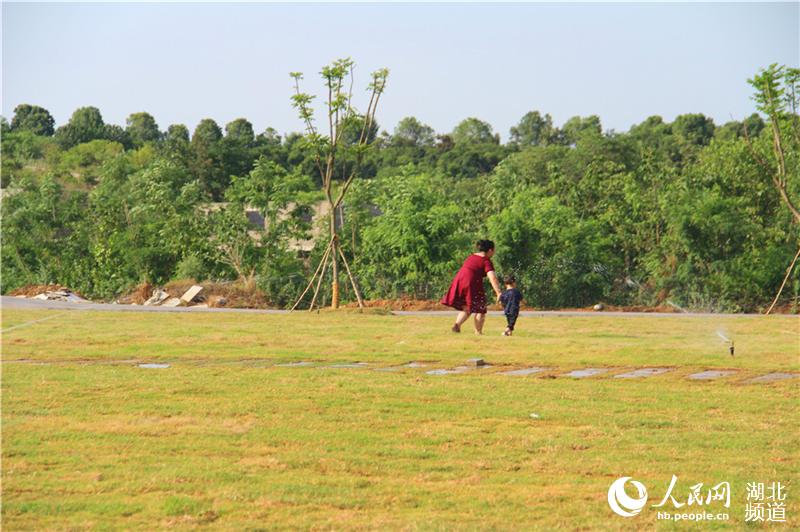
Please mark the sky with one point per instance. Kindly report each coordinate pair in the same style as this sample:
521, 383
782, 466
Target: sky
183, 62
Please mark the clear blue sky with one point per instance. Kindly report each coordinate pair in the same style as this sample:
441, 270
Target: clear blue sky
185, 62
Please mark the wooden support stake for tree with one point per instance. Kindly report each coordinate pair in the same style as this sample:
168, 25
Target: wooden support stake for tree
311, 281
780, 290
319, 281
352, 279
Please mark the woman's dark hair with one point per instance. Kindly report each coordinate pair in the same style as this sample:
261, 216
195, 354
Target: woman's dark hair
484, 245
510, 279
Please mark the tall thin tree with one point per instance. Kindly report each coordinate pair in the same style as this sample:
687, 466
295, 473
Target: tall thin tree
335, 153
778, 96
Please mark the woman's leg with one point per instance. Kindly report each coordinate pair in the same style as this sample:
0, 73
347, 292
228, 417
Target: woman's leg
480, 319
460, 319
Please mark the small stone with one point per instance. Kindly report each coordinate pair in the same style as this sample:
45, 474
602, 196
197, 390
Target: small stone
599, 306
536, 416
476, 362
154, 366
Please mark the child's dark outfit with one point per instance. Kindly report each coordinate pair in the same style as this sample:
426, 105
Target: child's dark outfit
510, 299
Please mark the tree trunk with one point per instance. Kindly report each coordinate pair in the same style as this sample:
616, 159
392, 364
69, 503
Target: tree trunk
335, 263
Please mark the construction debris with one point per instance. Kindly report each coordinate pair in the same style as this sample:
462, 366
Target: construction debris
158, 297
172, 302
63, 294
191, 293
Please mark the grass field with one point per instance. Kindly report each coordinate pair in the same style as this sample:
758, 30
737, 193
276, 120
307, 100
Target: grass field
224, 438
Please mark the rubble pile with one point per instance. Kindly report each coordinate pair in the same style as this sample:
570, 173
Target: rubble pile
191, 298
52, 292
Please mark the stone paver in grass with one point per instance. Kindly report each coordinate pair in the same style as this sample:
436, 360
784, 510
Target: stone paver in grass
301, 364
400, 368
154, 366
642, 372
586, 372
772, 377
524, 371
457, 369
711, 374
347, 365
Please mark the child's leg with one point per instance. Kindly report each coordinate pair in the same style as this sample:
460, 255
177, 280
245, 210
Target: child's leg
509, 327
512, 320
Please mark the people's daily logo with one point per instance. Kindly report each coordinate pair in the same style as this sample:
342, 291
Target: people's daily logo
621, 502
766, 501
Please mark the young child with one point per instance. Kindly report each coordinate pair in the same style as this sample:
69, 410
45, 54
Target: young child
510, 299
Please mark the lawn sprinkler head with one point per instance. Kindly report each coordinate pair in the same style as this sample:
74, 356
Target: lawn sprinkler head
727, 341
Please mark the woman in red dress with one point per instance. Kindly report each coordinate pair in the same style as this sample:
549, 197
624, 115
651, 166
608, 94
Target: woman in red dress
466, 293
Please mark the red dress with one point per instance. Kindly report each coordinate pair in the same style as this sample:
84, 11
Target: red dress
466, 291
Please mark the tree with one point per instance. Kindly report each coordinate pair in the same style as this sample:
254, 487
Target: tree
411, 132
85, 161
206, 133
330, 152
557, 257
693, 129
114, 133
85, 124
778, 97
413, 246
578, 128
142, 128
33, 118
240, 130
474, 131
177, 133
754, 124
533, 129
207, 158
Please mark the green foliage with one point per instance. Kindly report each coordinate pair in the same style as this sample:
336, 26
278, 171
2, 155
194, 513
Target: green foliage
191, 267
468, 160
33, 119
411, 132
417, 243
86, 124
177, 134
578, 129
533, 129
240, 130
474, 131
84, 162
40, 244
142, 128
682, 212
558, 259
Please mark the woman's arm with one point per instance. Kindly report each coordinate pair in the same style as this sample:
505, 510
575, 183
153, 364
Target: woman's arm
495, 284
